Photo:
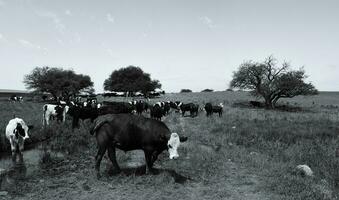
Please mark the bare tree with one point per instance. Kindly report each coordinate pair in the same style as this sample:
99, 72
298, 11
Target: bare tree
272, 82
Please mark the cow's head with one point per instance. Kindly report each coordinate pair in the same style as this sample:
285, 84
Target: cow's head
22, 130
173, 145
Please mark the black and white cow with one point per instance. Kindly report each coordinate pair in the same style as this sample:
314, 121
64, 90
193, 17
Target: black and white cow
17, 133
157, 112
130, 132
50, 111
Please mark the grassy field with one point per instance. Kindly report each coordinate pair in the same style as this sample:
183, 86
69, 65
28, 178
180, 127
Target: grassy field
246, 154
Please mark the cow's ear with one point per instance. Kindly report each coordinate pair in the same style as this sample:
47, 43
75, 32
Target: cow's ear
30, 127
183, 138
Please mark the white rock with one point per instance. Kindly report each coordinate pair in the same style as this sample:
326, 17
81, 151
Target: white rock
3, 193
305, 169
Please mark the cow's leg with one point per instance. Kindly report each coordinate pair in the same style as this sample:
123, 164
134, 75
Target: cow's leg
98, 158
13, 149
112, 157
149, 161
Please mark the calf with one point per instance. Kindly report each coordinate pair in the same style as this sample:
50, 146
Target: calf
131, 132
17, 133
51, 111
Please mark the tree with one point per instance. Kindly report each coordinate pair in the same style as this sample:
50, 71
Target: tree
271, 82
131, 79
185, 91
58, 82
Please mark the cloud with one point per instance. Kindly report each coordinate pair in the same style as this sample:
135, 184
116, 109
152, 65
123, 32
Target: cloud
2, 38
110, 18
56, 20
77, 37
110, 52
207, 21
68, 13
28, 44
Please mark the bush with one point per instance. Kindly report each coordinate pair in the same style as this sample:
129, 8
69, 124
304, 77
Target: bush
185, 91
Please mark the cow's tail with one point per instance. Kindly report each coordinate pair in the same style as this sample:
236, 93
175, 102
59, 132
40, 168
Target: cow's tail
44, 114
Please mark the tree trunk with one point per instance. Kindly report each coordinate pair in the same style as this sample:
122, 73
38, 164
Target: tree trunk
268, 103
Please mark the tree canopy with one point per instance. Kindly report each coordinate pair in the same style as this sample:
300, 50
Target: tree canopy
130, 79
58, 82
268, 80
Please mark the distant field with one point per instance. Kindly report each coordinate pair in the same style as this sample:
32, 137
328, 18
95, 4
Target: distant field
248, 153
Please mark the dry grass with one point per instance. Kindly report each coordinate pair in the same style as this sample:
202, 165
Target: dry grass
247, 151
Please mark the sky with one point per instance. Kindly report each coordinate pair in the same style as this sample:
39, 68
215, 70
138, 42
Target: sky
194, 44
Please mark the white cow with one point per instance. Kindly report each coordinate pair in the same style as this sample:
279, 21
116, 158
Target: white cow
17, 133
58, 111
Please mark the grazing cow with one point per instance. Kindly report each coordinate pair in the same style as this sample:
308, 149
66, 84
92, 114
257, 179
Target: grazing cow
51, 111
17, 133
131, 132
82, 113
157, 112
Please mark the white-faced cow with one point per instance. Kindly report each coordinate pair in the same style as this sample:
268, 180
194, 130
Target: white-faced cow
17, 133
50, 111
130, 132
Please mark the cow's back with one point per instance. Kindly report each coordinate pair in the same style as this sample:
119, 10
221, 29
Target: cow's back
134, 132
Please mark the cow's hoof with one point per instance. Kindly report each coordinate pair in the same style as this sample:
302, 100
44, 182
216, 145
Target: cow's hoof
152, 171
113, 172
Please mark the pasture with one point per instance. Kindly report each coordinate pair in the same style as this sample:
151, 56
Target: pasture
248, 153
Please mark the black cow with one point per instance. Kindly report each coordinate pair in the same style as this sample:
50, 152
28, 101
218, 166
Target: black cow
166, 107
83, 113
218, 109
140, 106
208, 109
191, 107
115, 108
131, 132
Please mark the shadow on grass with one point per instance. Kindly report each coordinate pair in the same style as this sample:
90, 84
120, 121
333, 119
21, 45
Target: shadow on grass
141, 170
279, 107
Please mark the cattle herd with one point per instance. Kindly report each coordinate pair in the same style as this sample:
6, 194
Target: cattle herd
126, 128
